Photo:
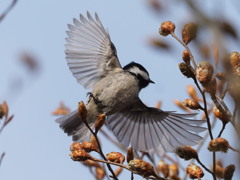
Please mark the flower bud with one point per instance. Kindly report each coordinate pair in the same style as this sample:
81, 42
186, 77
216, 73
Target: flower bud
192, 104
82, 112
1, 111
180, 105
211, 86
194, 172
100, 121
189, 32
116, 157
61, 110
228, 172
77, 153
204, 72
163, 167
130, 155
219, 169
192, 92
186, 152
173, 171
89, 147
220, 115
234, 58
141, 167
219, 144
186, 57
100, 173
186, 70
167, 28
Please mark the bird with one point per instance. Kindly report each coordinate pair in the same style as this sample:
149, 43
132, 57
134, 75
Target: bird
92, 58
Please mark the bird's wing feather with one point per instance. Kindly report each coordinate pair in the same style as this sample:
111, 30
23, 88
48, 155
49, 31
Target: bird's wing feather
149, 129
89, 51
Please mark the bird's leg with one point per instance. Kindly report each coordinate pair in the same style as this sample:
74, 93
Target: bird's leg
96, 101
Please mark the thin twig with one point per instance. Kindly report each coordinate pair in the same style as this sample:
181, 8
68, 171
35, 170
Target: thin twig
3, 15
208, 170
1, 158
223, 127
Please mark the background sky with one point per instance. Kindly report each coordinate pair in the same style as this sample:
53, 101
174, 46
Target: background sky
35, 146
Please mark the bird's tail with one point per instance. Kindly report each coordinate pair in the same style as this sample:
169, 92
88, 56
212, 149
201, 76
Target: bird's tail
75, 127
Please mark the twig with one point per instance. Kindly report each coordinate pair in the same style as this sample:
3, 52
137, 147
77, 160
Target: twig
3, 15
223, 127
208, 170
1, 158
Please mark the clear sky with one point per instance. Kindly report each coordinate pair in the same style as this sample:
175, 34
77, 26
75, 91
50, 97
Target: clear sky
35, 146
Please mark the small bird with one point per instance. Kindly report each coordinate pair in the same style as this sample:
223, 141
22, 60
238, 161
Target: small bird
92, 59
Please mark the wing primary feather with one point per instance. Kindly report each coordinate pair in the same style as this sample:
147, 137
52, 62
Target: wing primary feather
151, 135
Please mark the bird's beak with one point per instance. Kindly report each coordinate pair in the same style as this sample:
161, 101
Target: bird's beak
151, 81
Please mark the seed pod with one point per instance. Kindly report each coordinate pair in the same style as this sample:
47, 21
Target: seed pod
130, 155
89, 147
186, 57
166, 28
189, 32
186, 152
77, 153
186, 70
194, 172
100, 121
141, 167
219, 144
228, 172
192, 104
82, 112
220, 115
204, 72
116, 157
163, 167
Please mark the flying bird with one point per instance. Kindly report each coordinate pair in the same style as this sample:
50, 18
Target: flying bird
92, 58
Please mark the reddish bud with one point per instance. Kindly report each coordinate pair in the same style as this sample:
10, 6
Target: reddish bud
141, 167
220, 115
219, 144
186, 57
186, 152
228, 172
194, 172
167, 28
186, 70
192, 104
89, 147
189, 32
116, 157
204, 72
77, 153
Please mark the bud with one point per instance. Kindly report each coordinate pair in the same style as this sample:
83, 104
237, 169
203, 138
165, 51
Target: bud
89, 147
173, 171
186, 152
100, 121
61, 110
219, 144
194, 172
192, 92
186, 70
189, 32
130, 155
180, 105
163, 168
220, 115
100, 173
228, 172
192, 104
204, 72
77, 153
234, 58
141, 167
118, 171
211, 86
82, 112
186, 57
116, 157
219, 169
167, 28
5, 108
1, 111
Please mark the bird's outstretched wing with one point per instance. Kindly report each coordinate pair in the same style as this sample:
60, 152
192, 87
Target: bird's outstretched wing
89, 51
151, 129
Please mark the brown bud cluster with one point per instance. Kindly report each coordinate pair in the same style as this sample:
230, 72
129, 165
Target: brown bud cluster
228, 172
186, 57
220, 115
141, 167
219, 144
186, 152
167, 28
89, 147
189, 32
163, 167
77, 152
194, 172
186, 70
204, 72
192, 104
234, 58
116, 157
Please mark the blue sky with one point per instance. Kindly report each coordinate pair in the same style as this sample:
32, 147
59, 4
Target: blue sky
35, 146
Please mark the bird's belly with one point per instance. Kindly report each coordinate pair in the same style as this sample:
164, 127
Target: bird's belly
115, 92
